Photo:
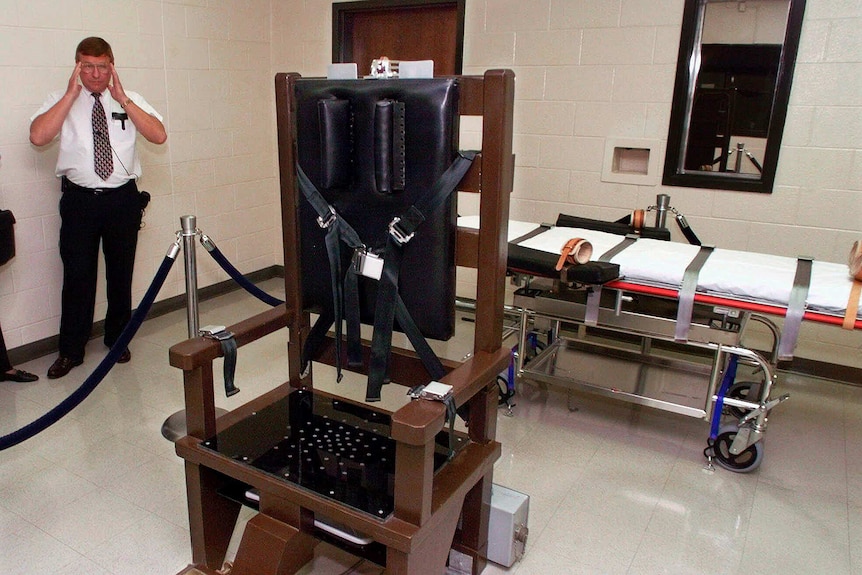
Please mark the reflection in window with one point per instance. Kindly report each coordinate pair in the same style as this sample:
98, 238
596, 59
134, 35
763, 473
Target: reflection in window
732, 104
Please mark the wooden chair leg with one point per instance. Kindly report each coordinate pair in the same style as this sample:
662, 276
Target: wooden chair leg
212, 517
474, 529
430, 554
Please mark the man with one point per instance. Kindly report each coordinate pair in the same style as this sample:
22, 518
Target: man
97, 122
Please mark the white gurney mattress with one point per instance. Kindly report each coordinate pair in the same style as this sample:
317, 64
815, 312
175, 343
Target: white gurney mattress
753, 277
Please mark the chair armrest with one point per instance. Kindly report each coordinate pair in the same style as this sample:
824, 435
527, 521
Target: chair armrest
418, 422
197, 351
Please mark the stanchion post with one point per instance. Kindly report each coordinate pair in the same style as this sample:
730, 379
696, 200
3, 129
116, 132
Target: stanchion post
740, 150
189, 233
175, 426
662, 202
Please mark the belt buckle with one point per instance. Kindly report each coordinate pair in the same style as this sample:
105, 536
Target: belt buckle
99, 191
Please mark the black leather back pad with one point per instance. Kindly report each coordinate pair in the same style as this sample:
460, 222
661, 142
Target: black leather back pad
618, 228
339, 125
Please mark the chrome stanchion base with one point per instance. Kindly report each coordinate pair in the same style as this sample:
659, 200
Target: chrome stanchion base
174, 426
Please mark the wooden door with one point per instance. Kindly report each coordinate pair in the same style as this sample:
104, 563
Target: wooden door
399, 30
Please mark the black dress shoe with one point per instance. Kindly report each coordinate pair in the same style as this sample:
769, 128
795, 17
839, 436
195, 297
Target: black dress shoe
62, 365
18, 375
125, 357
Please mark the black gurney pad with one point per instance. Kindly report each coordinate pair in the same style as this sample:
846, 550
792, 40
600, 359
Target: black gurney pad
540, 263
373, 148
618, 228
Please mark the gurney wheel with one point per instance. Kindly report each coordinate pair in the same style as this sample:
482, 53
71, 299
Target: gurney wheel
750, 458
504, 393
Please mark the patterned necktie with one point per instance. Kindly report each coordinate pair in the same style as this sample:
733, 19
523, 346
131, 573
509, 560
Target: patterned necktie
104, 163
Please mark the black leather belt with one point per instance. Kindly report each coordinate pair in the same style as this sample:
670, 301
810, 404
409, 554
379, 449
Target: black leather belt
68, 185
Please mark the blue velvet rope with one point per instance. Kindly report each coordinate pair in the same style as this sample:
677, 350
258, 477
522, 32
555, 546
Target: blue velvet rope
95, 378
241, 279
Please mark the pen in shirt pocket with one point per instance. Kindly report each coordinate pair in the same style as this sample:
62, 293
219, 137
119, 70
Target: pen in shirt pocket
121, 116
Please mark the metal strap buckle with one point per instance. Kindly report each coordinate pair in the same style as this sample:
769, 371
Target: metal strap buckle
330, 218
367, 263
397, 233
433, 391
219, 335
216, 332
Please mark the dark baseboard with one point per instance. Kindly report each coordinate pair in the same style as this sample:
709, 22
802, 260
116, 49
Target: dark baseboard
49, 345
815, 368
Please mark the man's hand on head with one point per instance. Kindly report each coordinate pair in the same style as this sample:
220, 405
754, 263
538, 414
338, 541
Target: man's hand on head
74, 87
116, 88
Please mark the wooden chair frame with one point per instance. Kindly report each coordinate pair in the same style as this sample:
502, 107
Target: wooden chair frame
433, 511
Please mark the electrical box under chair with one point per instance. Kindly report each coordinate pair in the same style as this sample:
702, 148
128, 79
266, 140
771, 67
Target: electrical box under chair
507, 531
507, 525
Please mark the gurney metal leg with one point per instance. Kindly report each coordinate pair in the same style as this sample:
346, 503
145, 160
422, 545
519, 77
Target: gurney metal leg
757, 411
776, 335
745, 437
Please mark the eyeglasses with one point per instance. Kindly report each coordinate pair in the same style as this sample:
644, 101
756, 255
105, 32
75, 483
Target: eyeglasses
89, 68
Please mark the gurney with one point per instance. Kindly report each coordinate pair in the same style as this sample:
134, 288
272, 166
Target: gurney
661, 323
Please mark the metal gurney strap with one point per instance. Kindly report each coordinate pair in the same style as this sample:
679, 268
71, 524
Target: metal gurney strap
531, 234
795, 308
627, 241
686, 292
594, 296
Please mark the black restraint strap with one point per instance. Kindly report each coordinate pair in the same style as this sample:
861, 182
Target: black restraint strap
228, 348
451, 411
337, 230
351, 305
315, 337
229, 351
401, 231
403, 227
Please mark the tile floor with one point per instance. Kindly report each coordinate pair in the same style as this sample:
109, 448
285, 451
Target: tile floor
614, 489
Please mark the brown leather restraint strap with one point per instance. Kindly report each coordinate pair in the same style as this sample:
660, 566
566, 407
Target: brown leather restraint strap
576, 251
638, 217
855, 264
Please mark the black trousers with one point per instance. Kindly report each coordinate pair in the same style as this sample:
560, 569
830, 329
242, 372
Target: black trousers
88, 219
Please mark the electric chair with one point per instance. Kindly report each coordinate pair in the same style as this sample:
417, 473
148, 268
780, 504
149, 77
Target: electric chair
368, 172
